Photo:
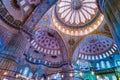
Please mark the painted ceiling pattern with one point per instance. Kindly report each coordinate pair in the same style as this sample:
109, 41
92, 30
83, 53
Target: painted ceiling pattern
45, 41
77, 17
77, 12
96, 48
46, 45
48, 48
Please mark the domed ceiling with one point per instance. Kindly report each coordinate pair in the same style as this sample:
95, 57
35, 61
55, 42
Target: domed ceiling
46, 40
77, 17
50, 45
96, 47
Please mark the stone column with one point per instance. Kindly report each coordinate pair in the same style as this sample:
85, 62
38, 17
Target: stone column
111, 11
66, 73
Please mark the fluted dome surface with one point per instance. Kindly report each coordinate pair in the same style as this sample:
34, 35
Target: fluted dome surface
77, 12
77, 17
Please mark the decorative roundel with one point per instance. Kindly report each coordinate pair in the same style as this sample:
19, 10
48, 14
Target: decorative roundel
96, 47
75, 14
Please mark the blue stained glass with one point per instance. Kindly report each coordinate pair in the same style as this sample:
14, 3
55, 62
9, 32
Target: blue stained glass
1, 43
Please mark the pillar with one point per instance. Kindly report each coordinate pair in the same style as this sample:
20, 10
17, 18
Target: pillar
67, 74
111, 11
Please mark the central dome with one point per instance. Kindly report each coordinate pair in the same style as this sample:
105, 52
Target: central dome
77, 17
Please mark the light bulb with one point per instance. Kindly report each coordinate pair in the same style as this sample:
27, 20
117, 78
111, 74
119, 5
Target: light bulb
62, 76
70, 74
92, 73
5, 73
81, 73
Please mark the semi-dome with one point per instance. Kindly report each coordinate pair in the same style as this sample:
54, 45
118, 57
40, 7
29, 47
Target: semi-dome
50, 45
77, 17
45, 41
96, 47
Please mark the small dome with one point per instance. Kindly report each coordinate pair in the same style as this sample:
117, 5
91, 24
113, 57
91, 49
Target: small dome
49, 44
96, 47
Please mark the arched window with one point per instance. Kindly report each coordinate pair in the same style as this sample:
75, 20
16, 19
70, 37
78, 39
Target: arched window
4, 79
102, 64
98, 66
56, 76
106, 78
30, 75
26, 71
114, 77
108, 64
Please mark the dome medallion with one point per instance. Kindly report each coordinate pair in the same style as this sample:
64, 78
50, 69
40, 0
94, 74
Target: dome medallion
76, 5
77, 17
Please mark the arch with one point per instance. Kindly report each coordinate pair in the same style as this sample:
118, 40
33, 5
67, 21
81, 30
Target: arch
25, 70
